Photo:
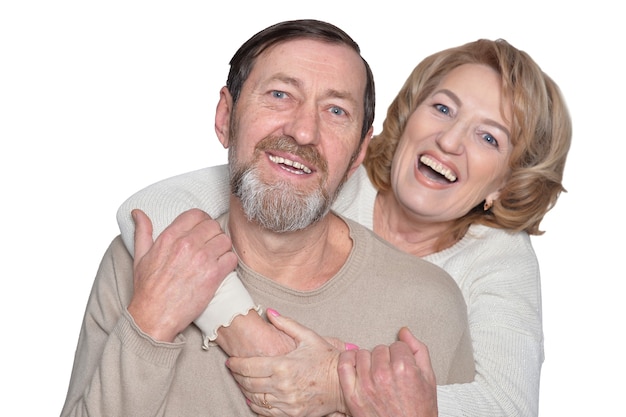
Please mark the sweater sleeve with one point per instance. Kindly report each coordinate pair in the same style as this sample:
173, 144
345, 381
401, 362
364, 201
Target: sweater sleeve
107, 377
500, 281
207, 189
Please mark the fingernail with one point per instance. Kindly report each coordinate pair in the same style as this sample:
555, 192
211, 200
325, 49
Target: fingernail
248, 401
227, 362
351, 346
273, 312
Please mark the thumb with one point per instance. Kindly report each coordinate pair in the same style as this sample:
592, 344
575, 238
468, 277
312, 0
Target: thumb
143, 234
419, 349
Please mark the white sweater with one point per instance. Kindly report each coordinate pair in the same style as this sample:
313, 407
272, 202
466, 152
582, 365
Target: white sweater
497, 272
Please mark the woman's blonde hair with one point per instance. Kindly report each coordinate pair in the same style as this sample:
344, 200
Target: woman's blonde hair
541, 132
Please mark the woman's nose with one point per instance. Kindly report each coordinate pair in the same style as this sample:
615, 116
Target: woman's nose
452, 139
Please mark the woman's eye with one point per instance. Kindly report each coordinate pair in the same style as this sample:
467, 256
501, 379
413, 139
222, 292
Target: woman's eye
442, 108
490, 139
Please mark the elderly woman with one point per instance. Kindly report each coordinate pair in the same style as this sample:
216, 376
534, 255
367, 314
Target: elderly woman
470, 159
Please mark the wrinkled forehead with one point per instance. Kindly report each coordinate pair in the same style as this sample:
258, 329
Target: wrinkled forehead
311, 62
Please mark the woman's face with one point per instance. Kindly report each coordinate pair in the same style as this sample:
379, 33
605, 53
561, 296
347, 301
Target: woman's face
454, 151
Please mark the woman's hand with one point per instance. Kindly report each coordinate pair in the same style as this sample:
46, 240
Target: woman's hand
301, 383
394, 381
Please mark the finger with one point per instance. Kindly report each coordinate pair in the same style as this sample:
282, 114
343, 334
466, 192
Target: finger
340, 344
407, 337
251, 385
363, 363
300, 333
347, 370
196, 235
420, 353
194, 224
263, 406
187, 220
265, 403
247, 369
381, 357
143, 234
292, 328
419, 349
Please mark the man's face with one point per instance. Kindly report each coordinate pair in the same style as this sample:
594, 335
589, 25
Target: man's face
294, 133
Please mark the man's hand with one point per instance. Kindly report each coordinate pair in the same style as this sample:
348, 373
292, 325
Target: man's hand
303, 382
176, 276
393, 381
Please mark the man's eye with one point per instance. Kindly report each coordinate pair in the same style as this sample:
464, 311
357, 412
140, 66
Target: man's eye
279, 94
337, 111
442, 108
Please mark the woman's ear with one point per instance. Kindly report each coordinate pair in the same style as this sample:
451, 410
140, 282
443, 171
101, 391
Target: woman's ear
491, 197
222, 117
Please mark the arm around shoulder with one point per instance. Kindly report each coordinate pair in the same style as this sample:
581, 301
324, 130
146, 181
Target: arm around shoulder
207, 189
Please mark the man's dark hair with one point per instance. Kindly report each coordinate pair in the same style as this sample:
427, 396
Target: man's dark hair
242, 62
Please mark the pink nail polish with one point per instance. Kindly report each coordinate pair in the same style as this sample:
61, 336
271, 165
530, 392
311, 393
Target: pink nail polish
351, 346
273, 312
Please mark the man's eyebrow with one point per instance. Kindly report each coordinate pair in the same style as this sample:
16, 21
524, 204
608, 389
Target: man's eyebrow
287, 79
457, 101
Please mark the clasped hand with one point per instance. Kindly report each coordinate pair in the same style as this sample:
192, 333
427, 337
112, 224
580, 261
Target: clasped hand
320, 377
304, 382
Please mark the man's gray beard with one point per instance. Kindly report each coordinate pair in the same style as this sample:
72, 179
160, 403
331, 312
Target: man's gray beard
278, 207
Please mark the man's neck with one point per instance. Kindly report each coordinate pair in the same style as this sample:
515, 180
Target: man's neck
302, 260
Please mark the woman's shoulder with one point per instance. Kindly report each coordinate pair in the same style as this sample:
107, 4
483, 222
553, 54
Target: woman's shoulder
487, 252
206, 188
356, 199
491, 240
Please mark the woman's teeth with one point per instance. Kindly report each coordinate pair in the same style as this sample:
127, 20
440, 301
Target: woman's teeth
438, 168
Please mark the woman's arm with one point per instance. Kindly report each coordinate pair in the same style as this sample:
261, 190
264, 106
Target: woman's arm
499, 278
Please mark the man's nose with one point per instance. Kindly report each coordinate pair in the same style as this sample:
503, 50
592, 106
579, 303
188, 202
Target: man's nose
304, 126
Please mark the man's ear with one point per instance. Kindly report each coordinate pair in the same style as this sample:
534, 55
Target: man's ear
362, 151
222, 116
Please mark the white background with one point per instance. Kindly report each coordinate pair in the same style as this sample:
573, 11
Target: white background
99, 99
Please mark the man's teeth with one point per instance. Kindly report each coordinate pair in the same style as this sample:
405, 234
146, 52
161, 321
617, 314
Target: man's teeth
289, 162
437, 167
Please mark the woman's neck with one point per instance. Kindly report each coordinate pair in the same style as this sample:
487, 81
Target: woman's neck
404, 230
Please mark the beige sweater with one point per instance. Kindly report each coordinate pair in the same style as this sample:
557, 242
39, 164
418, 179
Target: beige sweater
119, 371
